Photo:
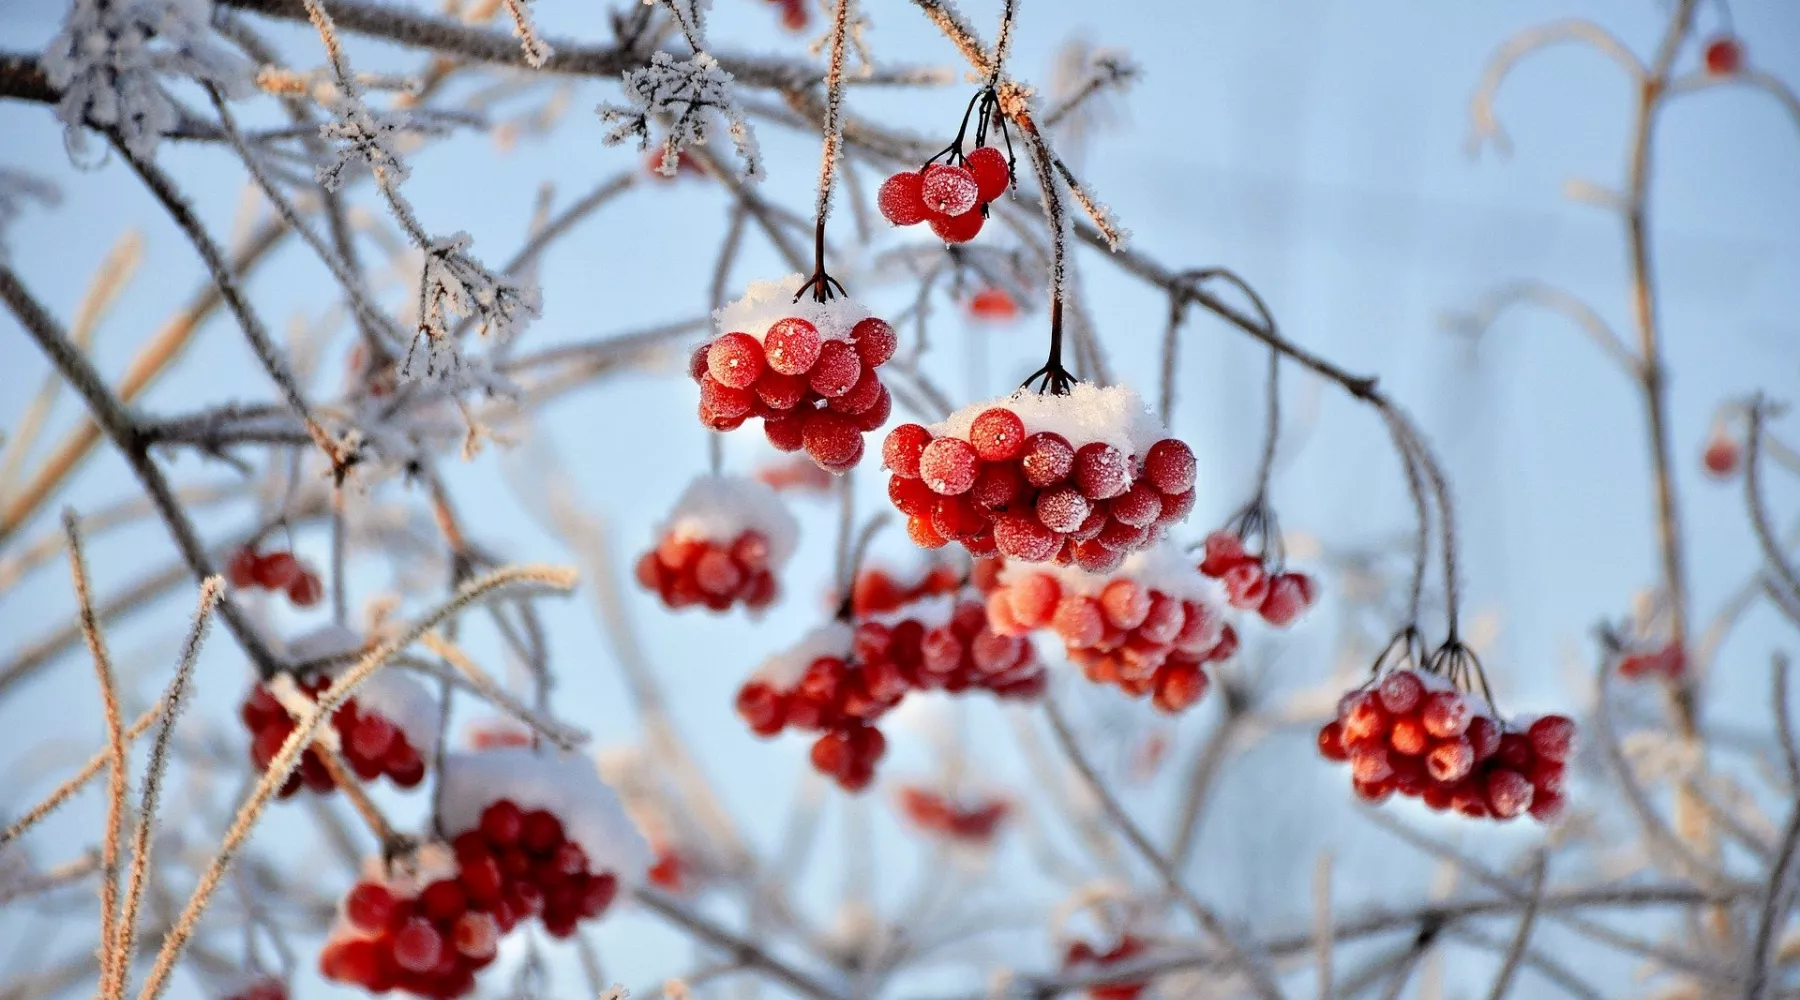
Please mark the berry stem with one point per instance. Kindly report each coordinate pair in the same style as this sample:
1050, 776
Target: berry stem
820, 282
1053, 377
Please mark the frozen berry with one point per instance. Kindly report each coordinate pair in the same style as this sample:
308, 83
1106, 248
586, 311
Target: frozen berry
1101, 471
832, 440
417, 946
988, 166
902, 199
949, 190
306, 590
1508, 793
948, 465
1223, 550
1170, 466
1062, 509
791, 346
997, 434
368, 906
278, 570
958, 228
735, 359
1401, 691
1446, 714
1552, 737
242, 571
1024, 538
901, 449
1047, 459
836, 370
875, 341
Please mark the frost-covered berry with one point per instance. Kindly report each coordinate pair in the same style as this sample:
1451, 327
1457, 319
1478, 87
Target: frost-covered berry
1170, 466
1401, 691
902, 198
1047, 459
1446, 714
992, 176
791, 346
833, 440
875, 341
1509, 794
901, 449
1552, 737
836, 370
998, 435
948, 465
735, 360
1101, 471
949, 190
958, 228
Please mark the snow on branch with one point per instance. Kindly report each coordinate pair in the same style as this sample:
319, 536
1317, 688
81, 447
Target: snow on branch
455, 284
109, 59
693, 96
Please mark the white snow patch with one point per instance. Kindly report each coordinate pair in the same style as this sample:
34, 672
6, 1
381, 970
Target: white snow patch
720, 508
1114, 414
406, 703
784, 669
327, 642
568, 785
766, 302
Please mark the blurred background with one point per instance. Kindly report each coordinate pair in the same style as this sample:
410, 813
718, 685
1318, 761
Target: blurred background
1317, 148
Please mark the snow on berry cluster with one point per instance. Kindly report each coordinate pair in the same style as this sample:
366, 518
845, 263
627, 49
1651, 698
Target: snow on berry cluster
952, 199
806, 368
390, 728
1147, 628
722, 545
842, 678
275, 571
532, 836
975, 821
1082, 956
1279, 597
1414, 734
1082, 478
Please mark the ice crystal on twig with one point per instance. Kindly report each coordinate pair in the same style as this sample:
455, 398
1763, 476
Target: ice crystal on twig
108, 60
367, 138
694, 95
537, 51
455, 284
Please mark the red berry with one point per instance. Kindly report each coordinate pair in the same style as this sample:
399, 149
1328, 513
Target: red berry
791, 346
1508, 793
1047, 459
277, 570
832, 440
958, 228
242, 571
1401, 691
762, 707
476, 936
902, 199
997, 434
443, 901
1408, 736
1552, 737
836, 370
1024, 538
540, 831
697, 366
1721, 456
1724, 56
901, 448
876, 416
1062, 509
480, 878
306, 590
875, 341
1095, 557
403, 765
1178, 686
1170, 466
911, 496
1223, 551
1369, 763
1515, 752
1546, 806
1125, 603
1446, 714
368, 906
1138, 506
372, 736
735, 360
417, 946
501, 823
862, 396
1484, 736
1331, 742
948, 466
1363, 717
1102, 471
988, 166
1175, 508
1246, 585
923, 534
778, 391
997, 486
948, 190
716, 574
1450, 761
1286, 600
723, 401
957, 519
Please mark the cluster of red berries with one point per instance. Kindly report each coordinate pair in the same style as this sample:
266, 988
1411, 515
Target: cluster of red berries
961, 653
1411, 734
261, 988
519, 863
953, 199
1129, 946
1035, 497
811, 392
429, 944
877, 592
686, 572
1127, 634
1667, 661
1278, 597
935, 813
275, 571
372, 744
835, 695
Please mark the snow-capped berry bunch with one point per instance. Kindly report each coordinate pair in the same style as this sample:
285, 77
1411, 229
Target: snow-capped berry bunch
1252, 583
951, 197
1414, 734
413, 931
876, 591
1085, 477
389, 728
537, 835
1080, 955
819, 686
1147, 628
722, 545
975, 821
260, 988
279, 571
807, 369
